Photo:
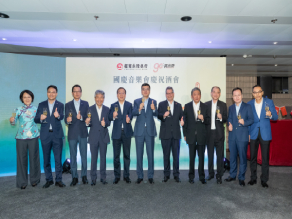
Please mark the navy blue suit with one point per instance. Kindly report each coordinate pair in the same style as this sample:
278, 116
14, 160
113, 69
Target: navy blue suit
121, 136
51, 139
145, 131
77, 133
238, 138
260, 133
98, 139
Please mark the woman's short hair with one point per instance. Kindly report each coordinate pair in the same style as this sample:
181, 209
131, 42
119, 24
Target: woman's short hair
28, 92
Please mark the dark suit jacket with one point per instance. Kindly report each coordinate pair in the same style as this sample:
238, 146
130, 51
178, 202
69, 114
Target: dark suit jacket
240, 133
192, 126
263, 123
77, 127
97, 131
117, 129
145, 118
55, 122
220, 130
170, 124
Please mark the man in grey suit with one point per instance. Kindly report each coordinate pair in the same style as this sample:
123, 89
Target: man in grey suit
97, 120
145, 131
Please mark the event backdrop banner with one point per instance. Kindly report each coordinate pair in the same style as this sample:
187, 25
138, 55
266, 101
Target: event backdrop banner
183, 74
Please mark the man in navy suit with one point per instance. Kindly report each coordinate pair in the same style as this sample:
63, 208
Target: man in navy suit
145, 131
171, 116
122, 134
77, 133
239, 118
260, 133
51, 134
98, 135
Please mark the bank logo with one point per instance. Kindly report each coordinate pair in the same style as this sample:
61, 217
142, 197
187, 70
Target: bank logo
120, 66
198, 85
158, 66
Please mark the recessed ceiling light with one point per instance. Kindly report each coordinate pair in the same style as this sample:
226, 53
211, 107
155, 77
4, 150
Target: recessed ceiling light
275, 43
276, 65
74, 40
3, 15
4, 39
209, 41
143, 41
186, 18
232, 64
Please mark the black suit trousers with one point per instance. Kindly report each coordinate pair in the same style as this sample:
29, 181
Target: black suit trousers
193, 148
265, 148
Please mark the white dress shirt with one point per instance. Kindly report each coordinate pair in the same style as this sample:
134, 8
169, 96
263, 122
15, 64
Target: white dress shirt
258, 107
122, 109
213, 114
171, 105
99, 110
196, 108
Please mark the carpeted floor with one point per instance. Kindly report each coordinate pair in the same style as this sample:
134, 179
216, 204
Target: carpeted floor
161, 200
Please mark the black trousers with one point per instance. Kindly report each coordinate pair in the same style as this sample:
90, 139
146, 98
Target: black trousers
169, 145
212, 143
117, 144
192, 151
265, 148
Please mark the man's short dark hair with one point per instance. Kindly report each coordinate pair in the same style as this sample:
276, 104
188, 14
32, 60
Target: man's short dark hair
145, 84
237, 88
52, 86
76, 85
194, 89
256, 86
28, 92
121, 88
216, 87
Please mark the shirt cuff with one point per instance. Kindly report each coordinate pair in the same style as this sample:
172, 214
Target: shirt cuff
59, 117
154, 111
140, 111
221, 120
81, 119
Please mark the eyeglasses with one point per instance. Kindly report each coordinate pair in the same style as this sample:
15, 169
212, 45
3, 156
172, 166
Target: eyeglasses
76, 91
145, 89
169, 93
257, 92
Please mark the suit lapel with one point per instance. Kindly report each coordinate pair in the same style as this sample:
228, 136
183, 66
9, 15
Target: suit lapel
193, 111
263, 114
54, 108
95, 111
72, 107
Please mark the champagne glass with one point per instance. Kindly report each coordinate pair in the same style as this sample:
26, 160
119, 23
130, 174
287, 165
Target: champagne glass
116, 109
239, 117
45, 112
267, 108
89, 115
70, 115
198, 113
143, 101
217, 112
168, 109
14, 116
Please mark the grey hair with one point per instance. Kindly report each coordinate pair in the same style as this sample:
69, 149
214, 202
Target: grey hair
194, 89
169, 88
216, 87
99, 92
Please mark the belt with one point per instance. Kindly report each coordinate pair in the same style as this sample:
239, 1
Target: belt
50, 130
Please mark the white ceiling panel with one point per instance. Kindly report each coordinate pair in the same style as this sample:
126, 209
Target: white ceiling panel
171, 30
235, 31
81, 26
225, 7
185, 7
24, 6
116, 28
66, 6
144, 28
105, 6
285, 12
205, 31
145, 6
265, 32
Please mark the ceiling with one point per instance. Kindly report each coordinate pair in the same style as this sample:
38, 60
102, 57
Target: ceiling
130, 28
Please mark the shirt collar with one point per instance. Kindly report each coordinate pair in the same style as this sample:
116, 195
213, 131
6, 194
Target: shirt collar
77, 101
27, 107
170, 103
52, 103
196, 104
255, 102
238, 105
98, 108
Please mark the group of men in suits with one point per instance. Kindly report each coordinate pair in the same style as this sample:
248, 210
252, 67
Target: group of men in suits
203, 124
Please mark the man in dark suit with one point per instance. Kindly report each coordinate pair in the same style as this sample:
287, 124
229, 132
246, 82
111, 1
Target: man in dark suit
260, 133
49, 114
97, 120
240, 116
122, 134
75, 111
171, 116
145, 131
196, 118
217, 111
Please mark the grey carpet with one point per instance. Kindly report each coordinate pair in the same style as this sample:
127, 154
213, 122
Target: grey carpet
161, 200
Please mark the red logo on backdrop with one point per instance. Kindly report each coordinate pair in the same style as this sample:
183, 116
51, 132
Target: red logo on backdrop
157, 66
197, 85
120, 66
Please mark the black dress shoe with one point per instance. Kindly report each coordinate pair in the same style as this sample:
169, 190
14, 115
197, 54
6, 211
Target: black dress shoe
127, 179
241, 183
22, 187
84, 180
219, 180
252, 182
151, 181
229, 179
116, 181
209, 178
177, 179
60, 184
35, 184
139, 180
165, 179
103, 181
191, 181
265, 185
48, 184
93, 182
74, 182
203, 181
